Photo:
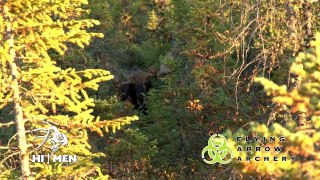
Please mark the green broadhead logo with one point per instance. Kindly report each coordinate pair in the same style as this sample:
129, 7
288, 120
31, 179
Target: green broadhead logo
217, 150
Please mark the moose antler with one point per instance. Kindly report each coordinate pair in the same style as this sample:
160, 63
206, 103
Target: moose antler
164, 69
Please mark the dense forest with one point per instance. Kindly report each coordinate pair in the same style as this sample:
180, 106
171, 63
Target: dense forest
161, 89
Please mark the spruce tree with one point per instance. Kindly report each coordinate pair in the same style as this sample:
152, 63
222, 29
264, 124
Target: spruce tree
39, 90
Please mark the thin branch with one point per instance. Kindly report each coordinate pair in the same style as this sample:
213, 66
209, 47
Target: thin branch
7, 124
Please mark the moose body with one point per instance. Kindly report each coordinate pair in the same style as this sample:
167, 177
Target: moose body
135, 89
138, 85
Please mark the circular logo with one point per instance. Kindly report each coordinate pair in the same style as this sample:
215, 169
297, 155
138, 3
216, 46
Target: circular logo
217, 150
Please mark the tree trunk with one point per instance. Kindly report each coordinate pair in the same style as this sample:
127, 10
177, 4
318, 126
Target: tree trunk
308, 37
308, 20
22, 141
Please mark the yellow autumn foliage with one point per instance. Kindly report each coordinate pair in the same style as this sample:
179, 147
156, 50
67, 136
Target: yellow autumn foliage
301, 142
48, 92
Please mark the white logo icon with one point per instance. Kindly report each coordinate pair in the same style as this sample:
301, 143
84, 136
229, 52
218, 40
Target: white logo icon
55, 137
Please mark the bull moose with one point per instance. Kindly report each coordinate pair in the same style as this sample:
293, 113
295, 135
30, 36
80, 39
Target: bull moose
138, 85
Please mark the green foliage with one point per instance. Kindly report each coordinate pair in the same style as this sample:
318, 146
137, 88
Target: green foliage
110, 108
170, 120
224, 46
129, 153
133, 146
215, 50
100, 10
301, 141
